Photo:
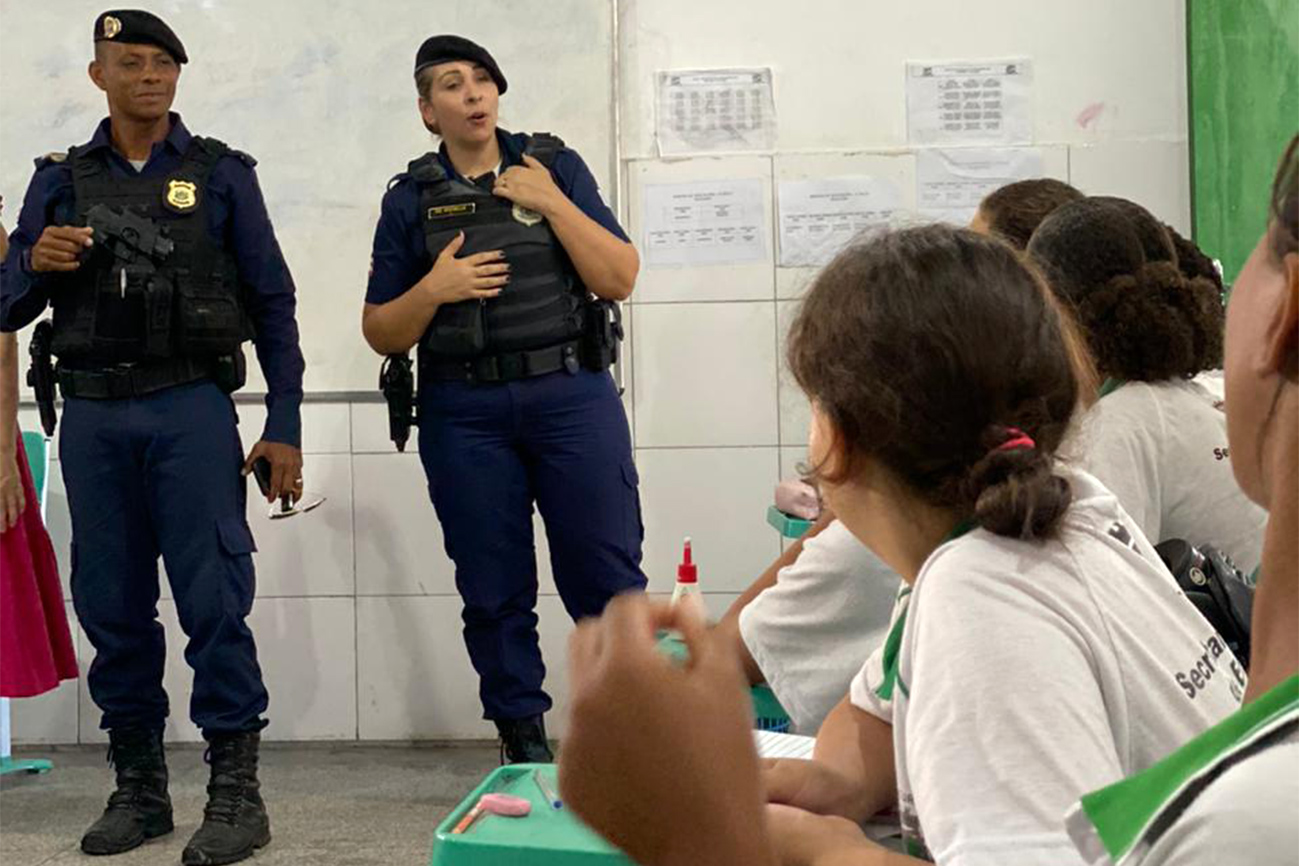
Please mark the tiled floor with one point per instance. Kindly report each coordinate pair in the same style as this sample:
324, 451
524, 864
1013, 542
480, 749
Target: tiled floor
347, 804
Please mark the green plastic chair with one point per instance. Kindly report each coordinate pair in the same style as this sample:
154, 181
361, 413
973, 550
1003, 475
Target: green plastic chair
38, 458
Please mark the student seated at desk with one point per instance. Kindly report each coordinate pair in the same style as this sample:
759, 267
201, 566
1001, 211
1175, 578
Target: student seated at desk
1043, 648
809, 621
1158, 436
1244, 808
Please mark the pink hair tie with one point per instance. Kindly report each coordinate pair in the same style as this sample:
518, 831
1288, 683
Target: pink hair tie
1018, 439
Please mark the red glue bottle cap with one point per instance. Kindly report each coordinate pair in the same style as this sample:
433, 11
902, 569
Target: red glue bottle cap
687, 572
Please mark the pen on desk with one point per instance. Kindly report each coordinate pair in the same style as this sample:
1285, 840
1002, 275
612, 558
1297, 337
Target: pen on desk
546, 791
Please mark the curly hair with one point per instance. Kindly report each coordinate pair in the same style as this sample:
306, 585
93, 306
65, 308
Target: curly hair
1014, 211
1192, 261
929, 347
1144, 320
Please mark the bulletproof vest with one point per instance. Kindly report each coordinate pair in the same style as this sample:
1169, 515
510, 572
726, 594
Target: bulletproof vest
122, 306
543, 303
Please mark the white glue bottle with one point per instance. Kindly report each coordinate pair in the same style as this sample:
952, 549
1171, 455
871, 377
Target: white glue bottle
686, 592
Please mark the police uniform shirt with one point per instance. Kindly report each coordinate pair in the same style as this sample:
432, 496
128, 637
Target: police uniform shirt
1028, 673
236, 214
401, 259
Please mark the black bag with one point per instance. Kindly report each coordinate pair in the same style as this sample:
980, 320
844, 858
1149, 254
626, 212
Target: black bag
1223, 594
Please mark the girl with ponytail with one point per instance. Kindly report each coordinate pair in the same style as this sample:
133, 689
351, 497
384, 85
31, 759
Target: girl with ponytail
1037, 648
1158, 436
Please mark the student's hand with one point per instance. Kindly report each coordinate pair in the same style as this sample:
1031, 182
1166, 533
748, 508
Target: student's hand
473, 277
801, 838
12, 501
58, 247
813, 787
659, 759
529, 185
286, 468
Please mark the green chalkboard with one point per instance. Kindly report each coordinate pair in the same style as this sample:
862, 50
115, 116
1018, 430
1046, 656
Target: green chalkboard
1244, 106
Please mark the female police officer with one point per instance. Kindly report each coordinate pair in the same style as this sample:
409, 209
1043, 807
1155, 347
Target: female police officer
486, 255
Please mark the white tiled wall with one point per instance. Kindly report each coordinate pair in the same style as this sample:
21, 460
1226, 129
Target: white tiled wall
357, 618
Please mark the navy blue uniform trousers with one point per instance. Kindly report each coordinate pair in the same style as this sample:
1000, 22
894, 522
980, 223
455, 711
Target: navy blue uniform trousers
157, 475
490, 451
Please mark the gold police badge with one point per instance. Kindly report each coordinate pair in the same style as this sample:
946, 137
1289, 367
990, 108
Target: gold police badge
182, 195
112, 26
526, 216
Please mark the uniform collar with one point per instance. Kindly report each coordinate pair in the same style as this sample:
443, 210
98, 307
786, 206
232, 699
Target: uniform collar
177, 139
511, 152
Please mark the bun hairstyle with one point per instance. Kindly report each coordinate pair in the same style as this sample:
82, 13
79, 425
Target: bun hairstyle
1014, 211
1192, 261
939, 355
1114, 263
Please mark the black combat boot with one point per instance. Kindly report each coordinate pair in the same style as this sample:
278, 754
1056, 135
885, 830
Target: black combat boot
523, 741
234, 820
139, 809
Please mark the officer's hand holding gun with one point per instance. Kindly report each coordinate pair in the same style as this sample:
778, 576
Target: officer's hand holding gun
478, 276
61, 248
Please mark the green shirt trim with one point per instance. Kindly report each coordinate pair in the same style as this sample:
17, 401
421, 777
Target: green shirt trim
893, 643
1119, 816
1109, 386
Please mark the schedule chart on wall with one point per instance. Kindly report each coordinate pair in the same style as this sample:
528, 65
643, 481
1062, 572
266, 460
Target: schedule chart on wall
715, 110
955, 103
704, 223
819, 217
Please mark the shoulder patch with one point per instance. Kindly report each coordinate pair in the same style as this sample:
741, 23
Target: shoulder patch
220, 148
52, 158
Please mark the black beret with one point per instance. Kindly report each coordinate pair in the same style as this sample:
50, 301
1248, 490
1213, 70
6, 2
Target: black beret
137, 27
441, 49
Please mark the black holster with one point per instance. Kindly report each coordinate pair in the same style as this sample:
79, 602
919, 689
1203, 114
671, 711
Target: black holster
602, 334
397, 381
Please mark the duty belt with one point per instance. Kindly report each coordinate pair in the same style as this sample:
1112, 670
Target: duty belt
507, 366
122, 381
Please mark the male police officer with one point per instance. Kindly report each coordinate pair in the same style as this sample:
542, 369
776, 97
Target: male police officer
155, 250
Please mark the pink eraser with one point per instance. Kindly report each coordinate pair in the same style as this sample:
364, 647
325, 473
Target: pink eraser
507, 805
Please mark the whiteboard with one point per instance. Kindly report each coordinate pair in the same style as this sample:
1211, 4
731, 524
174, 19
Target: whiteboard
322, 94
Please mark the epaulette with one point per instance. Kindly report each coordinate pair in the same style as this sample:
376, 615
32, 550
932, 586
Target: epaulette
219, 148
52, 158
427, 169
543, 147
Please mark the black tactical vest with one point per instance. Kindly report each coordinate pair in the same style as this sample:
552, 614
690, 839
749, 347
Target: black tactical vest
131, 308
544, 302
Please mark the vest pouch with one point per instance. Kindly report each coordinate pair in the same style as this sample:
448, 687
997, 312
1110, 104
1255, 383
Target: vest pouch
158, 301
533, 319
209, 320
117, 332
457, 331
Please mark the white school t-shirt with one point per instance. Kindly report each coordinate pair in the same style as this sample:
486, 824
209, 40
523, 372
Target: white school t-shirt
812, 630
1161, 447
1250, 815
1029, 673
1229, 796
